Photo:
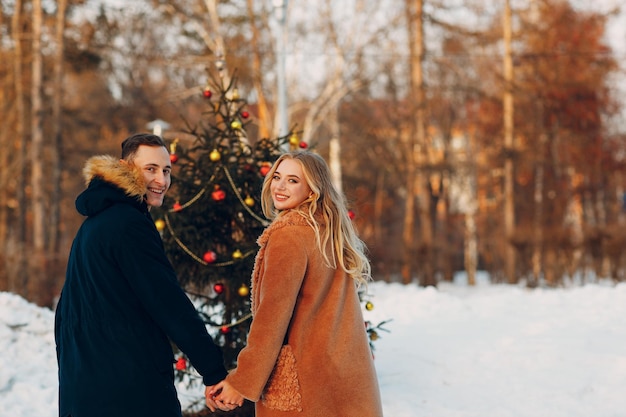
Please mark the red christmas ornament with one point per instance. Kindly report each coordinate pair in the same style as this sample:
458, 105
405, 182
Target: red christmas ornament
225, 329
218, 288
209, 257
173, 158
207, 92
218, 194
181, 364
265, 169
351, 214
303, 145
177, 206
245, 114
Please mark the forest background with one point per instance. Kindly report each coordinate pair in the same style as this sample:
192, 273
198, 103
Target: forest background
466, 134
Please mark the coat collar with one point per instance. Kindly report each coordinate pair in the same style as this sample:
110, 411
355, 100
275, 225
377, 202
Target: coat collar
285, 218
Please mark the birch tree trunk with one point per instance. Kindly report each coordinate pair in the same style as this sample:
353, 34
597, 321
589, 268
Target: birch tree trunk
216, 41
36, 131
408, 235
37, 258
334, 158
265, 124
417, 180
509, 204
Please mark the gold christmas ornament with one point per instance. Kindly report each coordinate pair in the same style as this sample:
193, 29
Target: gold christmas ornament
243, 290
160, 224
249, 201
173, 146
215, 155
369, 306
237, 254
235, 124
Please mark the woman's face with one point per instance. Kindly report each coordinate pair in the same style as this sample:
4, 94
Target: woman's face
288, 187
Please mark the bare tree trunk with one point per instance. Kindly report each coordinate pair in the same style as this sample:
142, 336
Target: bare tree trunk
537, 262
56, 151
37, 131
471, 247
509, 204
408, 235
409, 224
5, 143
37, 258
468, 175
379, 199
18, 274
334, 158
216, 42
417, 179
265, 123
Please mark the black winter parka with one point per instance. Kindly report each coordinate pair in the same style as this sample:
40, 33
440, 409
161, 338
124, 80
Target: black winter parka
120, 306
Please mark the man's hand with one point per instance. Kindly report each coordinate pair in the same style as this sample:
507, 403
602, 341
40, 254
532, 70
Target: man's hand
223, 393
213, 403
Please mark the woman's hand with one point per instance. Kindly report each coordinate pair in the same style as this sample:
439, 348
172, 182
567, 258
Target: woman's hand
225, 393
214, 404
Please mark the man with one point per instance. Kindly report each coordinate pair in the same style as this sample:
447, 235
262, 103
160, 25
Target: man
121, 300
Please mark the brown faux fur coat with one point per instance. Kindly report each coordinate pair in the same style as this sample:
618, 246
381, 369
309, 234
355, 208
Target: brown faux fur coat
295, 293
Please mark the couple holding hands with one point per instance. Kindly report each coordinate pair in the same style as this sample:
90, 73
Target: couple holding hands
307, 352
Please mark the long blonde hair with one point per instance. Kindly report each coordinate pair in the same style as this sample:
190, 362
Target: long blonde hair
327, 207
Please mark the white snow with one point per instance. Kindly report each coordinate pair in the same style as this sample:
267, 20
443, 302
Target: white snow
454, 351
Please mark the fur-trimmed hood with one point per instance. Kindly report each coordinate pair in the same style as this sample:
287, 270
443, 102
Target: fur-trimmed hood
110, 181
121, 308
116, 172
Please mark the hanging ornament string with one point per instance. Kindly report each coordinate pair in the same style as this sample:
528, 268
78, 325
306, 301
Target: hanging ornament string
211, 323
193, 255
261, 220
197, 196
236, 323
207, 318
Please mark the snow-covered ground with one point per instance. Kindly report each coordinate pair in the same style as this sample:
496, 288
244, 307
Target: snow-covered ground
455, 351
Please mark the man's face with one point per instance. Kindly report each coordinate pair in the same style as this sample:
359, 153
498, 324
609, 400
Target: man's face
154, 163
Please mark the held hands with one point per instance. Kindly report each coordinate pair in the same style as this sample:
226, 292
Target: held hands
214, 404
223, 396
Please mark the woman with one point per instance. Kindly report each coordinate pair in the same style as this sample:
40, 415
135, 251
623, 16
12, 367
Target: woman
305, 304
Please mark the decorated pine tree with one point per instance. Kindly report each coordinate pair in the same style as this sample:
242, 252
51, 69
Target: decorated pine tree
212, 216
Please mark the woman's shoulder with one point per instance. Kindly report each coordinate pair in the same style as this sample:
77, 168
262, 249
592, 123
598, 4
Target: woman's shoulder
285, 223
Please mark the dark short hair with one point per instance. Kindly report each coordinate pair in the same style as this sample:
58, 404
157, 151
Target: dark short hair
132, 143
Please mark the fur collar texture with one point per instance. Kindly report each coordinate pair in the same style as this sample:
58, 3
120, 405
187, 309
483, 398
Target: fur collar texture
285, 218
119, 173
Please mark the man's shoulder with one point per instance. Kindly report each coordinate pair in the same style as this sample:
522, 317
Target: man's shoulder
119, 216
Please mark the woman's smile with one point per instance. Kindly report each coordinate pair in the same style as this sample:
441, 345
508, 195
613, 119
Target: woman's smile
289, 188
